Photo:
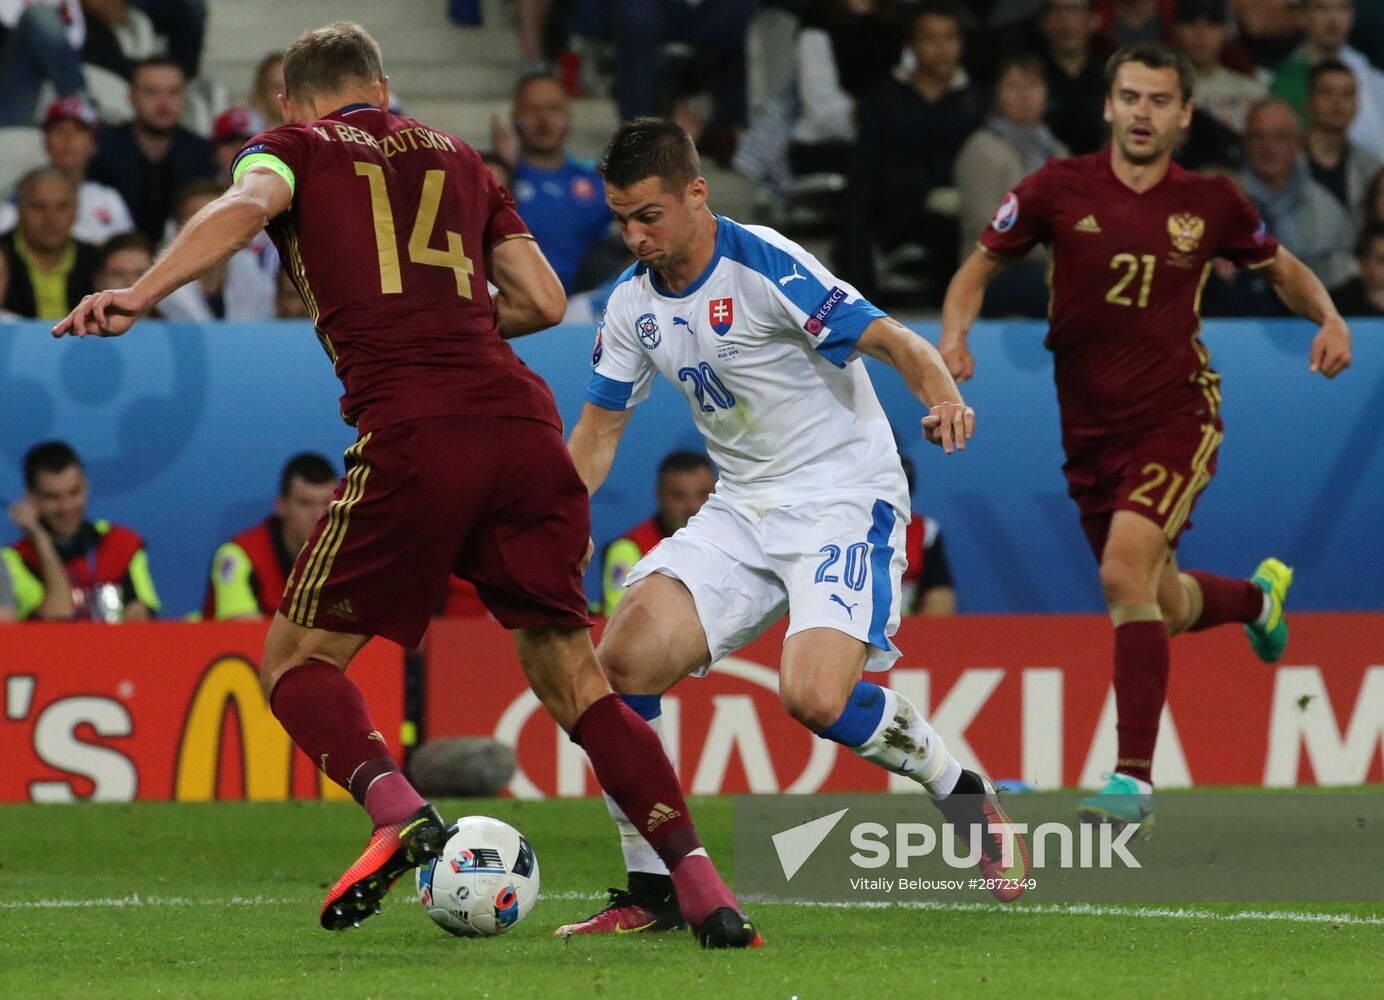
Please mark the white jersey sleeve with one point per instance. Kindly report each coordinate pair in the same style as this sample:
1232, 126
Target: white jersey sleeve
621, 370
829, 313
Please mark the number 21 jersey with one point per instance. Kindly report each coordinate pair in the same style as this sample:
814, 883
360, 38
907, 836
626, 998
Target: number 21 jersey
386, 241
1126, 274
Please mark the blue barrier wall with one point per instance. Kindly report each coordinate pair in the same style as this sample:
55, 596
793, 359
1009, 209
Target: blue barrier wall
184, 429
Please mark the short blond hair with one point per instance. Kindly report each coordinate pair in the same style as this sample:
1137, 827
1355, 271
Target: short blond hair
328, 60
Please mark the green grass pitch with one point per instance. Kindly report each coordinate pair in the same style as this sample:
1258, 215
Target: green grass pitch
221, 900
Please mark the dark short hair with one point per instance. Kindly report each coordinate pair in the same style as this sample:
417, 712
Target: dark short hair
1026, 61
48, 456
308, 466
1045, 7
684, 461
536, 76
650, 147
1373, 231
122, 241
935, 8
1324, 67
25, 184
155, 62
1154, 55
327, 60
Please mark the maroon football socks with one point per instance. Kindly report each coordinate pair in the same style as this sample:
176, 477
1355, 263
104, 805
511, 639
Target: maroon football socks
631, 766
324, 713
1141, 685
1225, 600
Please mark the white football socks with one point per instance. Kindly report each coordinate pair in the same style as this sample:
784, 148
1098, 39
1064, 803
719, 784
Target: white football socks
639, 853
904, 743
1264, 615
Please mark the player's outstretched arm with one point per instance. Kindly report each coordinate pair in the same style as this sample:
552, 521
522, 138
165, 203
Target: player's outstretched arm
531, 296
950, 422
209, 238
594, 441
1303, 293
962, 305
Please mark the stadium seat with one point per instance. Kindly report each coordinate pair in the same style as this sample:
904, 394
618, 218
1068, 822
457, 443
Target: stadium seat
21, 149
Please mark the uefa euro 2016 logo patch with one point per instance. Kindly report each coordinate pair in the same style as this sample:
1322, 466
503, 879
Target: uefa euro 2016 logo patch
1007, 215
647, 328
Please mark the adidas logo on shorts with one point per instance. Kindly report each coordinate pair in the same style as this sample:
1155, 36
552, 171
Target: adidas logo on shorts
342, 609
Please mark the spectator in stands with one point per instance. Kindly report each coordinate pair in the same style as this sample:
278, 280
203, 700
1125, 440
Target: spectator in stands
1226, 95
1269, 29
1328, 24
50, 271
7, 609
288, 304
927, 586
685, 480
42, 39
118, 36
1125, 22
183, 23
910, 133
1013, 143
152, 157
122, 260
264, 95
499, 169
714, 29
65, 566
1074, 56
69, 139
249, 571
5, 315
1363, 295
243, 289
560, 198
845, 52
1339, 165
232, 129
1303, 215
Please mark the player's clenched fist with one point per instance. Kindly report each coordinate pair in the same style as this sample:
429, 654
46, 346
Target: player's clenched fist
1331, 349
950, 424
957, 357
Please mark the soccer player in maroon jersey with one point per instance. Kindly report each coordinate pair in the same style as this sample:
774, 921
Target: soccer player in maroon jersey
1132, 237
390, 230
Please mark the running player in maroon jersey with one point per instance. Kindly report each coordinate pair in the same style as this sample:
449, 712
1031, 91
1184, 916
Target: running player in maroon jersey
390, 230
1132, 237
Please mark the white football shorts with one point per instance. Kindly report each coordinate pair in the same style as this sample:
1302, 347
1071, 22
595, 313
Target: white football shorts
829, 564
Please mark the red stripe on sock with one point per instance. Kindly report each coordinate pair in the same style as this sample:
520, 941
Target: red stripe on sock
1141, 686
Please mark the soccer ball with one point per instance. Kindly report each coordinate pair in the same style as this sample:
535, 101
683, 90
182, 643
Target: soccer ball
485, 881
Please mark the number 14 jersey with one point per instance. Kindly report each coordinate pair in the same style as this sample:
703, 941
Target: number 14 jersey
386, 241
1126, 275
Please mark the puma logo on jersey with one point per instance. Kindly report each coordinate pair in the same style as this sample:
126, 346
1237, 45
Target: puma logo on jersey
679, 321
795, 276
850, 608
1088, 225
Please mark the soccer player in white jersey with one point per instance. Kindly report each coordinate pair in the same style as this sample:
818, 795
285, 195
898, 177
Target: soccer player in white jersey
810, 512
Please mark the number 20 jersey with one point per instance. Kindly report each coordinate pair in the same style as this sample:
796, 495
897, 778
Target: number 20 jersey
763, 347
386, 241
1126, 274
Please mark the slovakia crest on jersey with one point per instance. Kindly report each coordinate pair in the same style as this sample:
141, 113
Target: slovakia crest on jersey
1007, 215
722, 314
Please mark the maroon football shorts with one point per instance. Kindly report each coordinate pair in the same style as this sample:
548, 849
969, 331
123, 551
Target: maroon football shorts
493, 500
1157, 472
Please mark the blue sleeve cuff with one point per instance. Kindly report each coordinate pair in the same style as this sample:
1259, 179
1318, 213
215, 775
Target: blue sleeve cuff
609, 393
847, 324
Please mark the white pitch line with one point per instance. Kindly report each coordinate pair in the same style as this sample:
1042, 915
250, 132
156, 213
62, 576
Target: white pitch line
1092, 910
1030, 909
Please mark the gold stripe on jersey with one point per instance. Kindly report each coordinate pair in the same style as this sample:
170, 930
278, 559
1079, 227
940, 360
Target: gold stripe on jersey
313, 564
298, 274
1262, 264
